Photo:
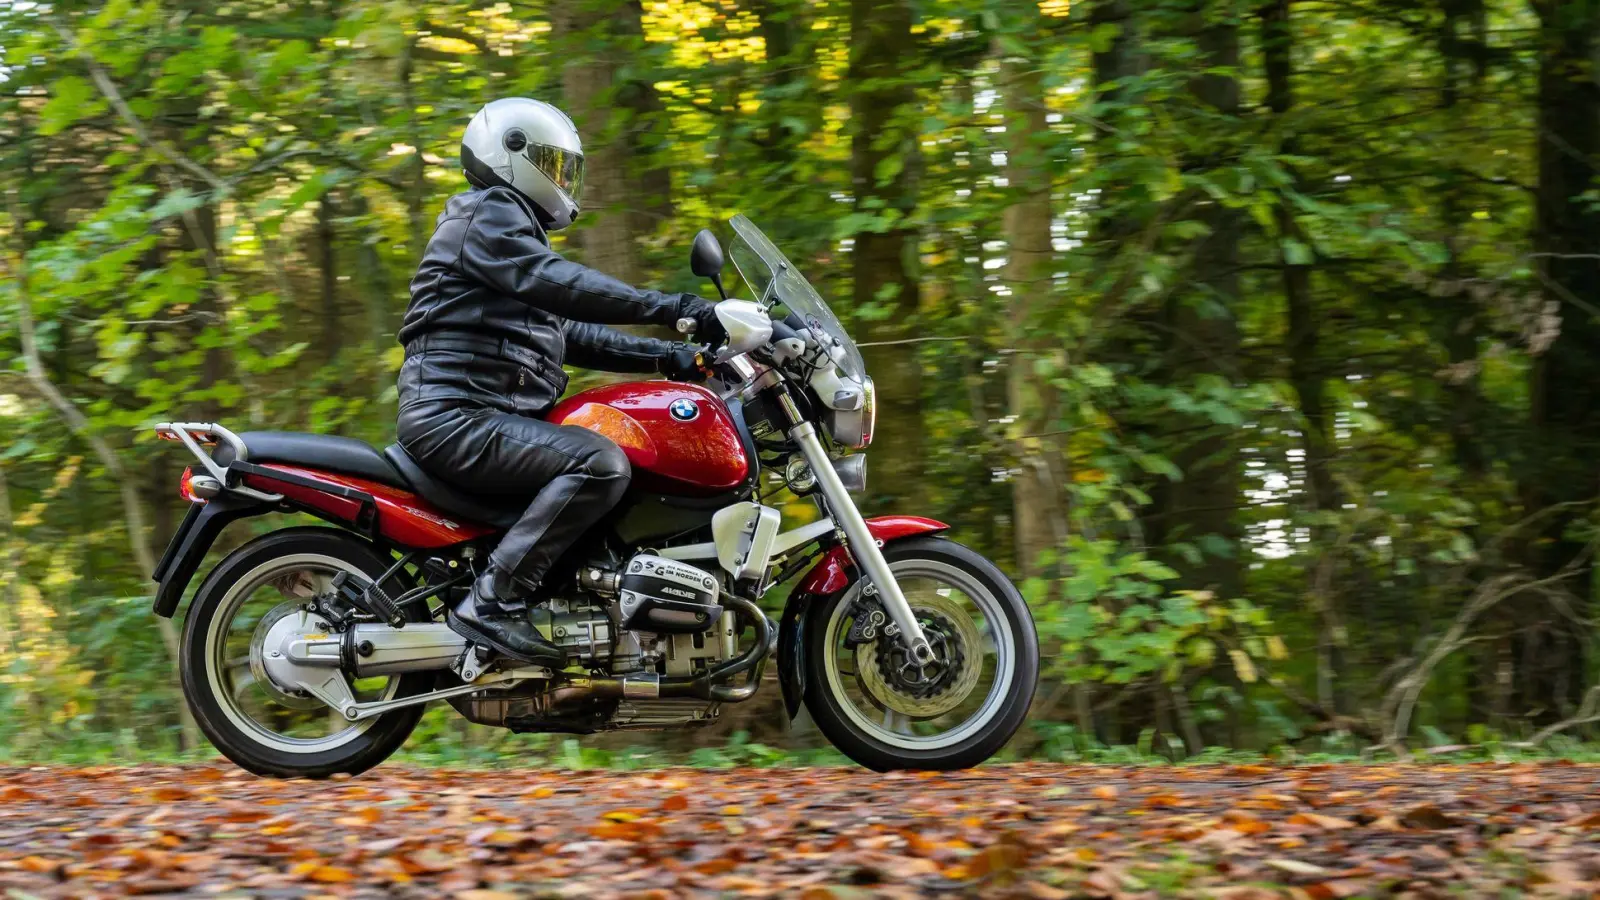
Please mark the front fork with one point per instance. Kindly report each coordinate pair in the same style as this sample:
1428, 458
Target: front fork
862, 546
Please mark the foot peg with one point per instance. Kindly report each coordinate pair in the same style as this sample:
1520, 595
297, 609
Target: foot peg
478, 660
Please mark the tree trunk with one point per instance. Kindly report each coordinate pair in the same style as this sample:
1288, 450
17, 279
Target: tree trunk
327, 261
1120, 58
883, 161
782, 25
1203, 342
419, 227
1306, 366
1036, 496
382, 311
1565, 388
1458, 325
624, 193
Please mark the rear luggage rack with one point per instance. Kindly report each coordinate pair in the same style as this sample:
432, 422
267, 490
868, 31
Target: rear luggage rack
193, 434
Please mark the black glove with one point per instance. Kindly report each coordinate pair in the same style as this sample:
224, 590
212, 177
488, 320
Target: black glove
680, 364
707, 329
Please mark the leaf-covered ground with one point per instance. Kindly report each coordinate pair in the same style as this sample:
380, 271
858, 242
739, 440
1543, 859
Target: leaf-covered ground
1241, 832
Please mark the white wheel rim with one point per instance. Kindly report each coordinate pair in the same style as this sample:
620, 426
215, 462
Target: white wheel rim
998, 627
220, 674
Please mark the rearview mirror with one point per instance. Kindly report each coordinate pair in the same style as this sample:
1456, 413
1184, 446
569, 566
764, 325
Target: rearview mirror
705, 257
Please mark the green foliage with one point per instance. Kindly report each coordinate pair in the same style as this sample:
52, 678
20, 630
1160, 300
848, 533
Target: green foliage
1240, 506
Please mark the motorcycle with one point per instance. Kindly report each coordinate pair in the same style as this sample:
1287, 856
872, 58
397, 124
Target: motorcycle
311, 651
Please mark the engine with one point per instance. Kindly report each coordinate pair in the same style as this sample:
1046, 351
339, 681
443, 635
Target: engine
651, 618
583, 629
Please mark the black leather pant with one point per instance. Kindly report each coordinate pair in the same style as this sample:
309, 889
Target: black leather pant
574, 475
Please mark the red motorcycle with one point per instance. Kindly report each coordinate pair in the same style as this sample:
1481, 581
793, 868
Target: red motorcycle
310, 650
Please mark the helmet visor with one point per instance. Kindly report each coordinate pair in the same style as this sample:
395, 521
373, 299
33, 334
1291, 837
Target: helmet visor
564, 167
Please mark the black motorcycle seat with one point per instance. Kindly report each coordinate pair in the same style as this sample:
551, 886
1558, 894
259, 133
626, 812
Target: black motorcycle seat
393, 467
343, 455
500, 512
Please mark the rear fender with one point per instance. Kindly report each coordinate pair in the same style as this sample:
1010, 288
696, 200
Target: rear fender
833, 573
200, 528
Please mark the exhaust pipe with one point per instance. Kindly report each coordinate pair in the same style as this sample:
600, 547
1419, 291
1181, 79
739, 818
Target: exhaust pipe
707, 686
371, 649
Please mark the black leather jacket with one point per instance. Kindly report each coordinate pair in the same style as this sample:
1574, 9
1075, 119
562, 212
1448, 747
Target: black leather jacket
495, 312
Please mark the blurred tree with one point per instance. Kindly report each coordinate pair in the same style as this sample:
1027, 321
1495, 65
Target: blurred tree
884, 162
1260, 336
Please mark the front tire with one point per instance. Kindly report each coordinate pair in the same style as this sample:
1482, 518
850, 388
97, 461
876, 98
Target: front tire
226, 697
924, 725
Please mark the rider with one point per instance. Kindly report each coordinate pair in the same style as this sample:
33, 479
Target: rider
494, 313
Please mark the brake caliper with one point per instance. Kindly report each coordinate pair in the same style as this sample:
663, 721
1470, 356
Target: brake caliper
868, 619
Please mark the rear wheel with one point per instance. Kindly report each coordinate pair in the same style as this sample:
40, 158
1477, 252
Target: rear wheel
884, 711
254, 722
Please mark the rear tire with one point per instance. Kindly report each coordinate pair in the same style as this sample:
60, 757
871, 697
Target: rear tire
1004, 705
353, 750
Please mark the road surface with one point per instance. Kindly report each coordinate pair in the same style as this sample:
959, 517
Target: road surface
1041, 831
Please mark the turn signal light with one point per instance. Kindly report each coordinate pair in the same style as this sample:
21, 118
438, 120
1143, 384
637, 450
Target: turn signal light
202, 437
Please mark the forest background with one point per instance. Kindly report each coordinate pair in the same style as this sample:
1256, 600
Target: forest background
1261, 342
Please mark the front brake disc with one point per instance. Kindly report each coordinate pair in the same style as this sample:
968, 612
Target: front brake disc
963, 651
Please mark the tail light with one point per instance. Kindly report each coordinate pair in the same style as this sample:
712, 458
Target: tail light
197, 488
186, 486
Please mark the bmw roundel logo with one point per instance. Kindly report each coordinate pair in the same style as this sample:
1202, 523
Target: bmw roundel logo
684, 410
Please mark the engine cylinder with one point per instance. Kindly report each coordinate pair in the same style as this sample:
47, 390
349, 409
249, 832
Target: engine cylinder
666, 596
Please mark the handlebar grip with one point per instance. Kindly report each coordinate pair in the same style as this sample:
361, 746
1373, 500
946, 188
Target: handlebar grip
687, 325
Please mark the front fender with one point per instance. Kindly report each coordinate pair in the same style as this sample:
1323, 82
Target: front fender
832, 574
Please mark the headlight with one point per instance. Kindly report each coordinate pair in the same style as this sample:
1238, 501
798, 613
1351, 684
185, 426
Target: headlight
850, 409
853, 472
869, 415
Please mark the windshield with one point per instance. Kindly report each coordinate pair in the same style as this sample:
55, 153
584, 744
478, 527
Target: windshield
773, 280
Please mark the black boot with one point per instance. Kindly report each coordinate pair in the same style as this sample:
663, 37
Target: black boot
495, 614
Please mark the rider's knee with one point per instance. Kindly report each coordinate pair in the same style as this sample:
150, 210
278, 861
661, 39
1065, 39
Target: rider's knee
607, 462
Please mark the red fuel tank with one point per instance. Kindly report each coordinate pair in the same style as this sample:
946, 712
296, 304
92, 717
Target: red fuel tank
680, 438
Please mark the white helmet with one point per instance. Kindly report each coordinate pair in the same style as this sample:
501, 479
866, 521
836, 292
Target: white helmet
532, 148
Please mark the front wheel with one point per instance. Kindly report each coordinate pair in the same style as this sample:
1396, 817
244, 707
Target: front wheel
885, 711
